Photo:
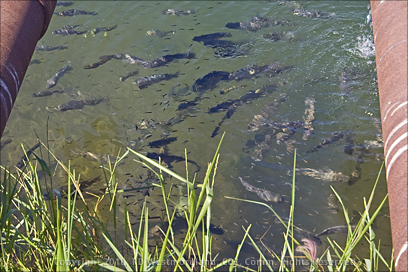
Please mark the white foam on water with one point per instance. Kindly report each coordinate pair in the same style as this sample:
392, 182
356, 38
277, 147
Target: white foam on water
364, 47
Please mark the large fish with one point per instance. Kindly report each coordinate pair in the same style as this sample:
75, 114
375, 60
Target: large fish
178, 12
130, 74
308, 118
46, 93
63, 190
161, 61
50, 48
25, 157
210, 37
54, 79
223, 48
262, 193
231, 105
65, 3
336, 230
300, 233
78, 104
68, 30
261, 120
5, 142
323, 174
257, 23
336, 137
103, 59
100, 158
73, 12
145, 82
179, 223
213, 39
253, 70
209, 81
301, 12
102, 29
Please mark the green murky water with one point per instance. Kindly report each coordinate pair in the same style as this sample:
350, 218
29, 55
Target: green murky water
320, 50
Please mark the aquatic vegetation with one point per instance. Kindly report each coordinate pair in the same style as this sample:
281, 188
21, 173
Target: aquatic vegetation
69, 233
309, 249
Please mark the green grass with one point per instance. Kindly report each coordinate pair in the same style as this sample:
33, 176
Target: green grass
67, 233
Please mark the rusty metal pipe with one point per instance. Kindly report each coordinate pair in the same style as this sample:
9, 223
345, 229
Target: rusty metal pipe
23, 23
390, 39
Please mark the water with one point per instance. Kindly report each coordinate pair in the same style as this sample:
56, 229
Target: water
333, 63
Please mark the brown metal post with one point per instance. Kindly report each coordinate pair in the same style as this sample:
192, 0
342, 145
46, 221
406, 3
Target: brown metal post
390, 38
23, 23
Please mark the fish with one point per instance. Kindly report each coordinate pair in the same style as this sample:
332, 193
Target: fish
262, 193
257, 23
356, 174
236, 50
78, 104
5, 142
277, 36
350, 78
286, 132
134, 60
231, 110
299, 231
180, 117
335, 230
63, 190
231, 105
223, 48
168, 159
144, 82
253, 70
188, 104
130, 74
100, 158
161, 61
210, 80
159, 33
308, 118
25, 157
50, 48
212, 36
177, 12
247, 72
260, 120
180, 223
54, 79
47, 93
301, 12
213, 39
68, 30
273, 36
322, 174
336, 137
273, 166
102, 29
73, 12
65, 3
162, 142
103, 59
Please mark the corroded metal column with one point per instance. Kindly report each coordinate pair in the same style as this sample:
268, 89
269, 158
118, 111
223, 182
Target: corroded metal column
23, 23
390, 38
